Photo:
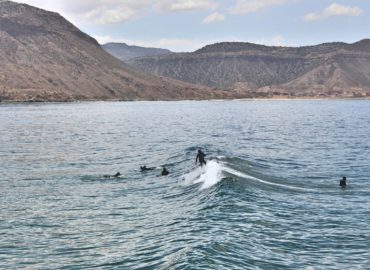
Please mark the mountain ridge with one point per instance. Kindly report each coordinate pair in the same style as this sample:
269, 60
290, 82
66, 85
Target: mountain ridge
258, 69
46, 58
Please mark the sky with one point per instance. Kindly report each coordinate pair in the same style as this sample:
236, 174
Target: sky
187, 25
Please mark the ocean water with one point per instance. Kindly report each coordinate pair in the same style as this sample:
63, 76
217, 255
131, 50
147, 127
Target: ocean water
268, 198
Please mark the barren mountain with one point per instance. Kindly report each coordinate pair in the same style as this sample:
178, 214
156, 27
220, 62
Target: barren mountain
330, 69
45, 58
126, 52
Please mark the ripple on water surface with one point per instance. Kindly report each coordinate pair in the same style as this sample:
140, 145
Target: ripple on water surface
268, 197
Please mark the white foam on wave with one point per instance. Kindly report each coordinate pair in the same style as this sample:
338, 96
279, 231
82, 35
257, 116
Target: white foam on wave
212, 173
209, 175
246, 176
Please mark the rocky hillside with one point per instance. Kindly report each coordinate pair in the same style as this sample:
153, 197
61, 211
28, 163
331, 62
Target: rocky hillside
125, 52
45, 58
326, 70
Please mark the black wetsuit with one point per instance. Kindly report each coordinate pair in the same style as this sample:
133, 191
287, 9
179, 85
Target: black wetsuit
343, 183
165, 172
144, 169
201, 156
113, 176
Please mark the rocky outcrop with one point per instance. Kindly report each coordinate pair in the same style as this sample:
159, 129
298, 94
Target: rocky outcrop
45, 58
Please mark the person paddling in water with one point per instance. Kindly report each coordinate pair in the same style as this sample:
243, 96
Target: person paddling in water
145, 168
343, 182
200, 157
165, 172
117, 175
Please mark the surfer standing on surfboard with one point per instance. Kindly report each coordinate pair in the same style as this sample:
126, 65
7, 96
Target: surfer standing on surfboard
200, 156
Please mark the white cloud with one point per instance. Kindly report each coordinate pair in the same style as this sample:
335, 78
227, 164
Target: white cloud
116, 16
312, 16
213, 18
334, 10
94, 11
185, 5
251, 6
116, 11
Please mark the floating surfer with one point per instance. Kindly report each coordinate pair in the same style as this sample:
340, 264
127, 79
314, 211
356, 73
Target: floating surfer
117, 175
343, 182
145, 168
200, 157
165, 172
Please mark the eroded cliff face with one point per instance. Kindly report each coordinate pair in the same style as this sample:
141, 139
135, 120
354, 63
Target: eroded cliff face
331, 69
45, 58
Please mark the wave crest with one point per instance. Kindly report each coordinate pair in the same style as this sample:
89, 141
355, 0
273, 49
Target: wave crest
209, 175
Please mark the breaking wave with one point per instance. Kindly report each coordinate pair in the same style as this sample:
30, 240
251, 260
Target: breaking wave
216, 170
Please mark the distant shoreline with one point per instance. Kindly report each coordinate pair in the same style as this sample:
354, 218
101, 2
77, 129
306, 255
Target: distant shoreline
231, 99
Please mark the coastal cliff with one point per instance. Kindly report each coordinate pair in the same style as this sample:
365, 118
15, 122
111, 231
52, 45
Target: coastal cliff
46, 58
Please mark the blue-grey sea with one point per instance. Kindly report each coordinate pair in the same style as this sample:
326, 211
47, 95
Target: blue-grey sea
268, 198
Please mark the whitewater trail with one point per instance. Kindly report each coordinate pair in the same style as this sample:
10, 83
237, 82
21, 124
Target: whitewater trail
246, 176
209, 175
213, 173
